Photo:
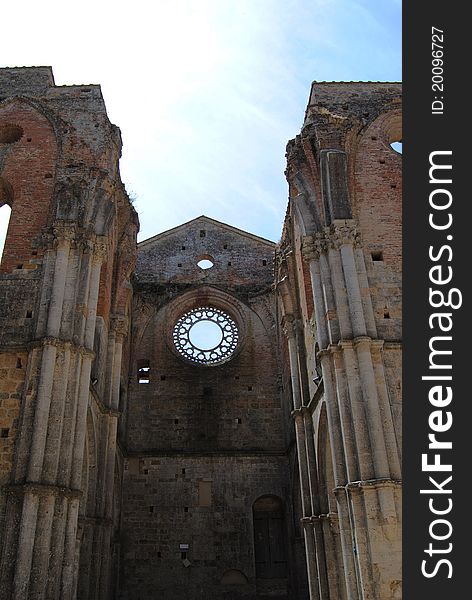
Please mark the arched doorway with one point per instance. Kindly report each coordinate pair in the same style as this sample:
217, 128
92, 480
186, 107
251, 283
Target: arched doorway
269, 538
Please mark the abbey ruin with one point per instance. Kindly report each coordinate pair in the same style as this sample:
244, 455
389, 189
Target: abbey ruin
141, 461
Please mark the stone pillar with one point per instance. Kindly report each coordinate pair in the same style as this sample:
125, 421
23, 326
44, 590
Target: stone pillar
36, 498
358, 408
300, 438
315, 502
80, 420
340, 476
119, 329
45, 546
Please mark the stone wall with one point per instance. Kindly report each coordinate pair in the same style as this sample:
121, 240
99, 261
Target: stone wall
204, 442
343, 225
70, 214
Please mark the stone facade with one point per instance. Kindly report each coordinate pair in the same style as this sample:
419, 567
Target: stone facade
339, 278
140, 461
65, 298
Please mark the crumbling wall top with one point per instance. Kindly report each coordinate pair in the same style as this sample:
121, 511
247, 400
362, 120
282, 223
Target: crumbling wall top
353, 99
25, 80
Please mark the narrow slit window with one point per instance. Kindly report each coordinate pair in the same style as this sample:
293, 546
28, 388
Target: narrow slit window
144, 372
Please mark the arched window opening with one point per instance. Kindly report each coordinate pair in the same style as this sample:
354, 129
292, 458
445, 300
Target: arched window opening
205, 262
5, 213
269, 538
233, 577
144, 371
397, 146
393, 130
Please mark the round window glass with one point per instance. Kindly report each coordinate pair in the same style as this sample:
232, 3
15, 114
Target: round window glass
206, 335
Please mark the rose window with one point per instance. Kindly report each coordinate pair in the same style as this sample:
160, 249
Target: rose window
206, 336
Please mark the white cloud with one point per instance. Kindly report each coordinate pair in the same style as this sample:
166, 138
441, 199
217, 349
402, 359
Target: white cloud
206, 92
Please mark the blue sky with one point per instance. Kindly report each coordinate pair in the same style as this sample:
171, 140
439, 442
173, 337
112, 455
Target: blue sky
206, 92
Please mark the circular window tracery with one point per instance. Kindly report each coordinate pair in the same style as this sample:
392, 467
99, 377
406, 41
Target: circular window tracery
206, 336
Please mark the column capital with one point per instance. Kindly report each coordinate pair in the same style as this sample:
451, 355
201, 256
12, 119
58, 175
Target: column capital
119, 324
289, 326
63, 233
100, 250
86, 244
310, 249
315, 245
343, 232
301, 412
306, 522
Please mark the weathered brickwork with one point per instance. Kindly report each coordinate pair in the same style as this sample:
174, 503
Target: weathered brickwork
164, 508
139, 460
204, 441
12, 375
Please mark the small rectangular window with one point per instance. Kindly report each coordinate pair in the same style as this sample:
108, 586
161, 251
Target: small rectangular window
144, 371
202, 233
377, 256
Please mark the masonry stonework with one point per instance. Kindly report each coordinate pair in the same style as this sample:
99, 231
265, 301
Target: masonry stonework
140, 458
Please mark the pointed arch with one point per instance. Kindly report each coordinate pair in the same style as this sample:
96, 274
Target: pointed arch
28, 158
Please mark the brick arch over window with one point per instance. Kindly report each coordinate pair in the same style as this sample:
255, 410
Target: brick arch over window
376, 184
27, 177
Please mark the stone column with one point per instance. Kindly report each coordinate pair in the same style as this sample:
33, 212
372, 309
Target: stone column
119, 326
329, 295
44, 393
315, 502
80, 420
340, 475
359, 412
38, 499
300, 438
